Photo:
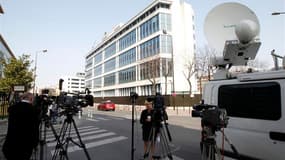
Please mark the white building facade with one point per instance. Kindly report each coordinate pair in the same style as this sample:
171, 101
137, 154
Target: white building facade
5, 54
150, 52
74, 84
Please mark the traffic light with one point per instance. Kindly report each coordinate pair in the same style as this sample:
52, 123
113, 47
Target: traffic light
60, 84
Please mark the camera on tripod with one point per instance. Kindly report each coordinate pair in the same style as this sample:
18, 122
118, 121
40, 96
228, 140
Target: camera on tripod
212, 116
159, 113
74, 102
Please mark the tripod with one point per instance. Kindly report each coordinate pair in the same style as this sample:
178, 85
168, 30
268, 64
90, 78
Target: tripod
159, 144
44, 124
208, 145
209, 148
65, 138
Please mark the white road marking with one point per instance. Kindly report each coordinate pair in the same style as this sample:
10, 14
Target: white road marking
94, 120
96, 144
73, 132
81, 134
87, 138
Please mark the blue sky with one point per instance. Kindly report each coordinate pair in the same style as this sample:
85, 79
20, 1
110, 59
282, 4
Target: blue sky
69, 28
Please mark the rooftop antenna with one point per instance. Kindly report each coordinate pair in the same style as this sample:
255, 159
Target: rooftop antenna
233, 30
275, 59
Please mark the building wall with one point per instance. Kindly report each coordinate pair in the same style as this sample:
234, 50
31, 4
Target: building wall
73, 84
121, 62
5, 53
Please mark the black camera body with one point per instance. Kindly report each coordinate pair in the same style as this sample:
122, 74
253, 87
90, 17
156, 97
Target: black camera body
157, 101
74, 103
211, 116
159, 113
42, 103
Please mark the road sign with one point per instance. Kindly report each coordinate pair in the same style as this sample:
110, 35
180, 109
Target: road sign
19, 88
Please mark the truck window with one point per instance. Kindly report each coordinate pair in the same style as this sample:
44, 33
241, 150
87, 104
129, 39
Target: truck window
254, 100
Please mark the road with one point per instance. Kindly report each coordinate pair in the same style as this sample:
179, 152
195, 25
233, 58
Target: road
107, 136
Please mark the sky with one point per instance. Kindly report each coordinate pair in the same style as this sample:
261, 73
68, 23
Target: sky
68, 29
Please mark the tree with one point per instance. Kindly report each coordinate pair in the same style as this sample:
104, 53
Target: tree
203, 64
151, 70
189, 71
16, 72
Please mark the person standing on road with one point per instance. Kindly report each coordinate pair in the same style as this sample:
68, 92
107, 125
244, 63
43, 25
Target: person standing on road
146, 121
23, 129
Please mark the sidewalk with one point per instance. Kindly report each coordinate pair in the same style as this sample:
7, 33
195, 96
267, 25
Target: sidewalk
181, 117
175, 111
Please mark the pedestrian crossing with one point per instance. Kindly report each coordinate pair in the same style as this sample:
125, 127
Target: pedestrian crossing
98, 118
91, 136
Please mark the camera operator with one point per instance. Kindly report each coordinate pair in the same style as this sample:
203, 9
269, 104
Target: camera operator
146, 121
23, 129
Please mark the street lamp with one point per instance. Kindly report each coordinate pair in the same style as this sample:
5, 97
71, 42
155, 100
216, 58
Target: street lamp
35, 69
277, 13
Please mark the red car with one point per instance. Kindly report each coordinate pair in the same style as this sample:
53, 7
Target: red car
106, 106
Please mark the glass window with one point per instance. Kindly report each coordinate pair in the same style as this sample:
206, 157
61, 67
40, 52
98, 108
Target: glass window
166, 44
109, 79
150, 69
109, 93
98, 70
127, 40
149, 27
97, 83
88, 74
254, 100
110, 65
111, 50
165, 21
127, 75
149, 48
88, 84
89, 63
127, 57
98, 58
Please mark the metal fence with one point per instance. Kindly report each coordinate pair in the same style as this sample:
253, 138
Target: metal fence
4, 103
179, 100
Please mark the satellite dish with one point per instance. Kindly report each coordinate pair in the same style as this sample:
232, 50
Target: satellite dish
233, 30
230, 21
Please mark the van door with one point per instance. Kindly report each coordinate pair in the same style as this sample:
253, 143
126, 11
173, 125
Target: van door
256, 126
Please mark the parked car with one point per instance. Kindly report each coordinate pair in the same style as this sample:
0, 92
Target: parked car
106, 106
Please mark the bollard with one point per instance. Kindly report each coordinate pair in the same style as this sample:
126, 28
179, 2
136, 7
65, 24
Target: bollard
79, 114
91, 113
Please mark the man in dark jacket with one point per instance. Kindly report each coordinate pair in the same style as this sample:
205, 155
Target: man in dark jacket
23, 129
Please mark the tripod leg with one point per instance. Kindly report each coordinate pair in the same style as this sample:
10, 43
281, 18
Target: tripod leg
204, 147
67, 139
217, 151
165, 144
151, 143
80, 141
42, 140
59, 149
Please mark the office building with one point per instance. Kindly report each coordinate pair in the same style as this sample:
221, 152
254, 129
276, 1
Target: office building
5, 53
74, 84
147, 54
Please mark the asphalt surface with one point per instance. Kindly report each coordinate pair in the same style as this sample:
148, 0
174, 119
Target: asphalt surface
107, 136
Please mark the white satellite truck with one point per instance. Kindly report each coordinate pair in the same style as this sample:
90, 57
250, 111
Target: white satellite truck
255, 102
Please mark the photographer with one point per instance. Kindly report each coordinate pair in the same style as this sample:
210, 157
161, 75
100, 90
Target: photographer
23, 129
146, 121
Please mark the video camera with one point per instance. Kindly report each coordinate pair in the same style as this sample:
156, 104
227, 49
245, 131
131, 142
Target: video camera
74, 102
157, 101
159, 112
212, 116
